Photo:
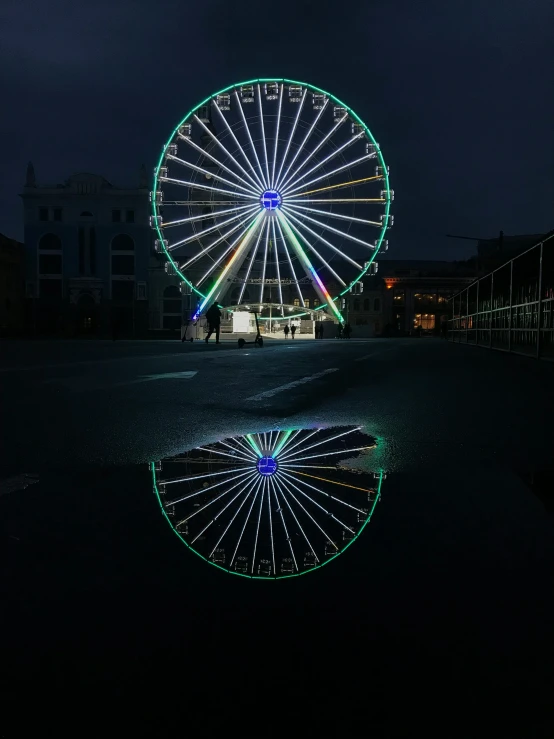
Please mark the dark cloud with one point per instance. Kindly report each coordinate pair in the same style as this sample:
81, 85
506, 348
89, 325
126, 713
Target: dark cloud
458, 94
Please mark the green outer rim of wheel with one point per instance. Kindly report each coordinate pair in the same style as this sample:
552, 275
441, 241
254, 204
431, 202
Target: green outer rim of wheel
258, 577
313, 88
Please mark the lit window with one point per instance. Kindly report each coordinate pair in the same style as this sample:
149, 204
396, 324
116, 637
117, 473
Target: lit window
307, 302
316, 303
296, 302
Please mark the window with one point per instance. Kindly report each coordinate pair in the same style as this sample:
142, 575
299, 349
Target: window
442, 299
86, 214
123, 290
172, 299
43, 214
425, 321
122, 242
316, 303
50, 242
377, 305
123, 264
356, 304
81, 251
307, 302
92, 250
50, 290
50, 264
129, 216
398, 297
366, 303
57, 214
296, 302
141, 291
116, 216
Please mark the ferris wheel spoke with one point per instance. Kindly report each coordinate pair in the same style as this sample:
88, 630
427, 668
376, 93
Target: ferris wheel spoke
247, 450
339, 216
194, 237
293, 476
318, 255
290, 481
251, 262
251, 182
265, 186
319, 443
302, 225
272, 182
258, 526
205, 216
332, 229
218, 261
211, 502
265, 264
263, 136
271, 527
295, 278
195, 168
294, 176
293, 496
238, 453
254, 497
211, 246
340, 185
255, 182
232, 265
324, 479
200, 186
204, 490
303, 144
309, 270
291, 134
188, 478
329, 454
281, 440
278, 269
280, 511
245, 498
283, 489
327, 175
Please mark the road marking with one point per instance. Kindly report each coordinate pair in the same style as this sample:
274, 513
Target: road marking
373, 354
163, 376
289, 385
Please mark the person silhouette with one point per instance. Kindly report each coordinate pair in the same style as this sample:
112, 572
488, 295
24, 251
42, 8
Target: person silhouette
293, 330
286, 331
213, 315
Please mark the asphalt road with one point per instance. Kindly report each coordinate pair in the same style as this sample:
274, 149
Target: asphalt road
453, 576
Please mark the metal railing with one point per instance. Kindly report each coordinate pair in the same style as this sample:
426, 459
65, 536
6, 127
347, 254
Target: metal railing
512, 308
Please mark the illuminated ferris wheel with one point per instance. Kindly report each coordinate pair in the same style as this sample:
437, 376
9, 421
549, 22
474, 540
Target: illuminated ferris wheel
270, 505
267, 191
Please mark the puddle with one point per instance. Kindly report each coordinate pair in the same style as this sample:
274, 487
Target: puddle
271, 505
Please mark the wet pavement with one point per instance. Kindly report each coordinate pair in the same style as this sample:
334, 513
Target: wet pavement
451, 578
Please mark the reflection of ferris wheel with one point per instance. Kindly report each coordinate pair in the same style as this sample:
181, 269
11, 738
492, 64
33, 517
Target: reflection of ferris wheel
268, 190
270, 505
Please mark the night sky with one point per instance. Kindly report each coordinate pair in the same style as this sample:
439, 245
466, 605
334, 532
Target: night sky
458, 94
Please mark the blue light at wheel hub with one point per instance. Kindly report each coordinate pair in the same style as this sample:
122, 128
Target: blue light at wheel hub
270, 199
266, 466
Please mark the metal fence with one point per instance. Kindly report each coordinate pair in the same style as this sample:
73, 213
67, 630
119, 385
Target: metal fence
512, 308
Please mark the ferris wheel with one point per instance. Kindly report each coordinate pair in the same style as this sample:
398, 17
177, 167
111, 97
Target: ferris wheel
270, 505
274, 194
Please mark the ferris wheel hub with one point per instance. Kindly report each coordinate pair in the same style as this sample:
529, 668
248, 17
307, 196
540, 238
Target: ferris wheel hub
271, 199
266, 466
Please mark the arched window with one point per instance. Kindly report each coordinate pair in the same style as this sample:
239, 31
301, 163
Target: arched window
356, 304
122, 242
366, 303
376, 305
296, 301
307, 302
50, 242
316, 303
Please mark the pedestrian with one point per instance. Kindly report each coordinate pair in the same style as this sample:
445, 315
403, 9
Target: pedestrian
286, 331
347, 330
293, 330
213, 316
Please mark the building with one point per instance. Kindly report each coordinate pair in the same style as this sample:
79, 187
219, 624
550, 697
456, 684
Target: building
89, 258
12, 287
416, 293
